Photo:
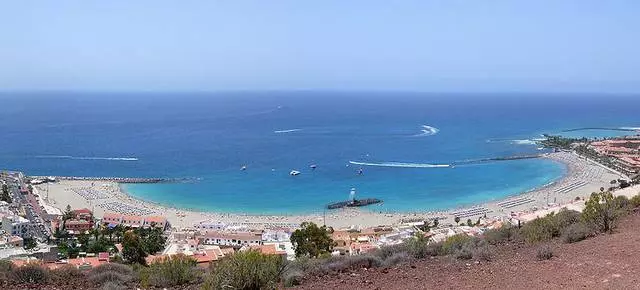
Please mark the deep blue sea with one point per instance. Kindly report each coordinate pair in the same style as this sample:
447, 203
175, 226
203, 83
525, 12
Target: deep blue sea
210, 136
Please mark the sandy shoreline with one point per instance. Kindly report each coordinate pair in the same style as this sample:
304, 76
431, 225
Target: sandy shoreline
582, 178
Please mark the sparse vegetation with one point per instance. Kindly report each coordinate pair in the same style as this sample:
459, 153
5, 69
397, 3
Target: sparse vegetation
246, 270
169, 272
112, 273
575, 233
603, 210
544, 253
500, 235
31, 273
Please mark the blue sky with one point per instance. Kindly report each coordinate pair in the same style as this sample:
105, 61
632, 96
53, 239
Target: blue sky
423, 45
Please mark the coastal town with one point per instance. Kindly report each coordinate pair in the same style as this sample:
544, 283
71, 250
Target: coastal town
80, 221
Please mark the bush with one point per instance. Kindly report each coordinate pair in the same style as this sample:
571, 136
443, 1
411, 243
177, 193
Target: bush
538, 230
575, 233
169, 271
602, 211
482, 253
6, 267
292, 278
500, 235
111, 286
66, 274
417, 246
434, 249
246, 270
342, 263
111, 273
388, 251
396, 259
31, 273
544, 253
635, 201
565, 218
455, 243
550, 226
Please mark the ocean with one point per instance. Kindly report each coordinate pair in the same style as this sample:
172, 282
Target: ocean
401, 141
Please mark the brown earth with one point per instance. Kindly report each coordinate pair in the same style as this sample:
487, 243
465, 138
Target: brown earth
602, 262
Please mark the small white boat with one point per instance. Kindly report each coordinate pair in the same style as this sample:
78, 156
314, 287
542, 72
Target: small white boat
294, 173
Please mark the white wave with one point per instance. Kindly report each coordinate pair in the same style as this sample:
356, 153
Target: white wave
524, 142
630, 128
427, 131
88, 158
287, 131
400, 164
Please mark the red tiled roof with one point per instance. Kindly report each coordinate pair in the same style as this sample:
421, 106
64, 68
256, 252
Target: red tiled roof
82, 210
155, 219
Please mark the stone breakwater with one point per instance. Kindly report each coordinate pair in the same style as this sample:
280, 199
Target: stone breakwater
118, 179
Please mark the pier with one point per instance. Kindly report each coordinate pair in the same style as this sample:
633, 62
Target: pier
505, 158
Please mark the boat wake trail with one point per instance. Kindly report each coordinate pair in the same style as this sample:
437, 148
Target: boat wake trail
400, 164
287, 131
427, 131
86, 158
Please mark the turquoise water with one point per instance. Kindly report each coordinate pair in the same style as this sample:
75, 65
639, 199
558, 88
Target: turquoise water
209, 137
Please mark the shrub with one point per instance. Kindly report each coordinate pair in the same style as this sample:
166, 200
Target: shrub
544, 253
635, 201
455, 243
111, 286
388, 251
395, 259
500, 235
342, 263
246, 270
31, 273
434, 249
169, 271
417, 246
602, 211
464, 253
538, 230
66, 274
6, 267
482, 253
565, 218
292, 278
111, 272
575, 233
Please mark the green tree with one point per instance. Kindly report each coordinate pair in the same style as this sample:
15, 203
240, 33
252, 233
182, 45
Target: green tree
457, 220
152, 239
5, 193
602, 210
68, 213
469, 222
435, 223
311, 240
83, 240
29, 243
132, 249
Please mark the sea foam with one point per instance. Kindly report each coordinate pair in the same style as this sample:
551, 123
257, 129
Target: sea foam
400, 164
427, 131
287, 131
88, 158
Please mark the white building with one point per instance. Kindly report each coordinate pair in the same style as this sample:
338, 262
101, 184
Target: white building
15, 225
230, 238
276, 236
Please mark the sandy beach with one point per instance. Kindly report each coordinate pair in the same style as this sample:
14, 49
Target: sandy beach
582, 178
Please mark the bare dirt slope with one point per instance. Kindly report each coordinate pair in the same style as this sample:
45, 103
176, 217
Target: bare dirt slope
603, 262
